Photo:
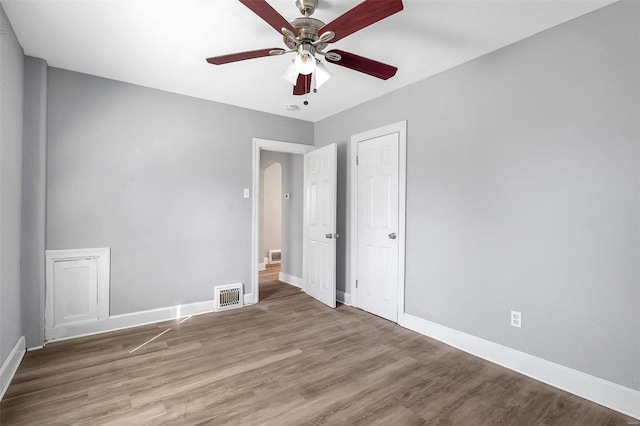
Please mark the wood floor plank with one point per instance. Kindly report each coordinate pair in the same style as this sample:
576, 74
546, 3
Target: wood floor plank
288, 360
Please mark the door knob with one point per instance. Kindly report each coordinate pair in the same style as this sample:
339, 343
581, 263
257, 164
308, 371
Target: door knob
329, 236
392, 236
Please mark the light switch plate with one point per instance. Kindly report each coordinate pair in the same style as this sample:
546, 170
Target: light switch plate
246, 193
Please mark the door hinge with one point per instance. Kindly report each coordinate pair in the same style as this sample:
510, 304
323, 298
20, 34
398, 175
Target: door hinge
356, 283
357, 160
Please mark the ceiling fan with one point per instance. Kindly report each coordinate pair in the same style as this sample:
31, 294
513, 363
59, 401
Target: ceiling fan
308, 37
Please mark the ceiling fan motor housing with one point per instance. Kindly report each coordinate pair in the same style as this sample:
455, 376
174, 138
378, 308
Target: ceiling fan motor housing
307, 29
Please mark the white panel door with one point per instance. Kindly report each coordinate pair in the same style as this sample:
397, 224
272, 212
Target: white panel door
377, 242
319, 264
75, 291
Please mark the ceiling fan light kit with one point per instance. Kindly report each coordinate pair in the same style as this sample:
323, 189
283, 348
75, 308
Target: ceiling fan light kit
322, 74
291, 73
305, 62
301, 37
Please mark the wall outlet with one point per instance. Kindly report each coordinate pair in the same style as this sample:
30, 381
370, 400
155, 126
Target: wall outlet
516, 319
246, 193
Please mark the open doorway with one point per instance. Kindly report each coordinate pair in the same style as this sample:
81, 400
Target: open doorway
274, 224
270, 244
278, 169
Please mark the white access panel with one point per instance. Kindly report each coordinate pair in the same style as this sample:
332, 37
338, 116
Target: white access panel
75, 291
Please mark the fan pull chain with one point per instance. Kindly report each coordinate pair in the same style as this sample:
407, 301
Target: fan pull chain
314, 81
306, 93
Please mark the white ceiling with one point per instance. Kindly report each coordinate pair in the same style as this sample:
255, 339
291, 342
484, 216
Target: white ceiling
163, 44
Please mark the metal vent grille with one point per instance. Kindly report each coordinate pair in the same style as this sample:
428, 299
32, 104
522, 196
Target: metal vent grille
228, 297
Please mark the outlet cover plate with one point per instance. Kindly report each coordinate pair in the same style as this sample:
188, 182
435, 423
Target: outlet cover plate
516, 319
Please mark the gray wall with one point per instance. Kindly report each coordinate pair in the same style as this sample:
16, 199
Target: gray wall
523, 193
34, 157
11, 100
523, 190
292, 220
158, 177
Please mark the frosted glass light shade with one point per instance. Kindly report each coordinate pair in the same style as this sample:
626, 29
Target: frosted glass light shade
291, 73
322, 74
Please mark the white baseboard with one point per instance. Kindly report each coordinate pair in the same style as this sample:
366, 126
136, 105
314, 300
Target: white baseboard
10, 365
290, 279
262, 266
344, 298
35, 348
600, 391
248, 299
134, 319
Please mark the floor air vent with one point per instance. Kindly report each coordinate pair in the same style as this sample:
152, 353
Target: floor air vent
228, 297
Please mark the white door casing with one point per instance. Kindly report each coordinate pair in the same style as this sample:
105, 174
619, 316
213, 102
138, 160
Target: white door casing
378, 206
319, 252
378, 226
258, 146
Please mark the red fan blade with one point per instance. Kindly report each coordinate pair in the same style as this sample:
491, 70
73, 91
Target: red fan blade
303, 85
268, 14
363, 15
241, 56
364, 65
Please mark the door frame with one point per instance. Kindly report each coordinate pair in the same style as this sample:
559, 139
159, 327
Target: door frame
260, 144
401, 129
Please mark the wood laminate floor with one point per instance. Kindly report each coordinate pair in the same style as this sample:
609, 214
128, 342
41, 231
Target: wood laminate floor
285, 361
271, 287
270, 273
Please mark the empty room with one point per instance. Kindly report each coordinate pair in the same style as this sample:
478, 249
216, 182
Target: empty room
193, 229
